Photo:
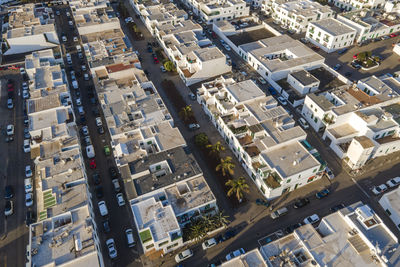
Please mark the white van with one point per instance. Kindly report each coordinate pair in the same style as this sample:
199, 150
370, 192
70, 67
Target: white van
90, 152
28, 185
78, 48
279, 213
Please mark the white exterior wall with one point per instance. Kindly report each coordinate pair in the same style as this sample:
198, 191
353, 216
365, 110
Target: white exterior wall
357, 154
313, 114
387, 148
355, 4
396, 49
301, 88
327, 41
386, 204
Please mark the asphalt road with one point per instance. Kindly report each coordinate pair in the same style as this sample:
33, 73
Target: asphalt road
13, 232
120, 218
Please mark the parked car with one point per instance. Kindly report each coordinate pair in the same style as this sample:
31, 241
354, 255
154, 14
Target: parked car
99, 122
27, 146
392, 35
301, 203
228, 235
393, 182
107, 151
303, 123
337, 207
322, 193
194, 126
116, 185
85, 130
348, 74
99, 191
113, 172
129, 238
10, 130
337, 67
96, 178
282, 100
183, 255
112, 251
10, 104
106, 226
208, 243
329, 173
291, 228
103, 208
235, 254
92, 164
100, 130
28, 199
311, 219
279, 213
8, 192
379, 189
29, 218
192, 96
163, 69
90, 152
28, 171
64, 38
9, 208
78, 102
120, 200
304, 40
355, 65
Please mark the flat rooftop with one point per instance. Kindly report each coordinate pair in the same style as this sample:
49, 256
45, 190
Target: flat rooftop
62, 183
208, 53
290, 159
333, 27
153, 216
182, 26
294, 53
49, 118
175, 165
338, 241
64, 239
29, 31
304, 77
189, 194
245, 90
244, 37
252, 258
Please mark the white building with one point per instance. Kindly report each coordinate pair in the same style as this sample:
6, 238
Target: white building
251, 258
396, 49
296, 15
180, 202
202, 64
389, 202
262, 135
274, 58
211, 11
354, 236
350, 5
303, 82
330, 34
68, 239
371, 24
29, 29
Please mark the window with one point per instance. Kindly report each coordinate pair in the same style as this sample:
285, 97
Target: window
163, 243
288, 181
150, 246
314, 170
262, 189
388, 212
315, 120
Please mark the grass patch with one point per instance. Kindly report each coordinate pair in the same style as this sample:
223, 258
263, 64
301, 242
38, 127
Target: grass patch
145, 236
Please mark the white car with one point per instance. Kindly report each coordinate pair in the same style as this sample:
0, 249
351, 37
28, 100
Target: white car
28, 199
120, 199
379, 189
85, 130
75, 39
10, 104
303, 123
329, 173
282, 100
83, 67
235, 254
90, 152
163, 69
10, 130
70, 23
311, 219
393, 182
99, 122
186, 254
25, 94
22, 71
194, 126
227, 47
103, 208
112, 251
27, 146
28, 171
78, 102
25, 86
209, 243
128, 19
64, 38
86, 77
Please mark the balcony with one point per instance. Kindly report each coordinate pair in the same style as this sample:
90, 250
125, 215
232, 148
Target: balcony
328, 120
272, 180
239, 130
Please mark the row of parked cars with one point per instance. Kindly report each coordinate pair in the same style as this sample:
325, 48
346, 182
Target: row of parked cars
392, 183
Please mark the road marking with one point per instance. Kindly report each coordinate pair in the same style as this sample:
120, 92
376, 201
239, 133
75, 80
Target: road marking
359, 186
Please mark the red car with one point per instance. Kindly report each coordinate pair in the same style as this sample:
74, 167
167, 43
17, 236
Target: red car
355, 56
392, 35
156, 60
92, 164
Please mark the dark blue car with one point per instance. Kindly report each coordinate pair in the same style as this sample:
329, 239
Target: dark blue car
342, 51
322, 194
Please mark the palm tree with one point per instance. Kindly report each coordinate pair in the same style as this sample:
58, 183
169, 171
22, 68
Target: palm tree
226, 166
220, 219
215, 149
186, 113
238, 186
201, 140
